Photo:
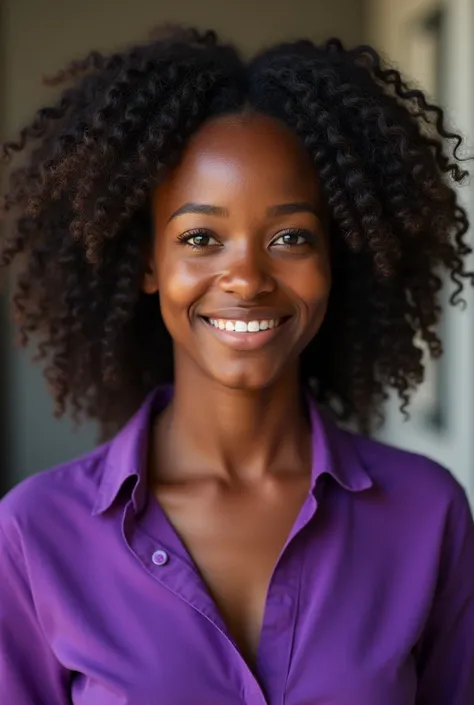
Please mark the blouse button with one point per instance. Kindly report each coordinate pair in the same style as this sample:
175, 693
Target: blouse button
160, 558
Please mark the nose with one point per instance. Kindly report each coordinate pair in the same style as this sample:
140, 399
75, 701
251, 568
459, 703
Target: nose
247, 276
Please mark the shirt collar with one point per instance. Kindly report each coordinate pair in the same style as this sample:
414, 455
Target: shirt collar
127, 454
334, 454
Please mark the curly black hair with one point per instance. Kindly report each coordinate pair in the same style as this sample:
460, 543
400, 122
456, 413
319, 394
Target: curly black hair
79, 206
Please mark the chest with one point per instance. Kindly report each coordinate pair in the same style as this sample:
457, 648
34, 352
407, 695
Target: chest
335, 629
235, 539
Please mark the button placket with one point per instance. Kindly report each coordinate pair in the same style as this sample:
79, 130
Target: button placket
277, 635
181, 578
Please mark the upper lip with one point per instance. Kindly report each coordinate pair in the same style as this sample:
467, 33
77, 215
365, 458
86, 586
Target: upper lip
245, 314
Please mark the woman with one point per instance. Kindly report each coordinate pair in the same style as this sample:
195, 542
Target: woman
270, 237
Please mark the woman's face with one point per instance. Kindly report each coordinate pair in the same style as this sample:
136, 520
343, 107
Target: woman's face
240, 256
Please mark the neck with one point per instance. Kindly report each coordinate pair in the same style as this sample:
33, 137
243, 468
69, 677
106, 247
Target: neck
232, 433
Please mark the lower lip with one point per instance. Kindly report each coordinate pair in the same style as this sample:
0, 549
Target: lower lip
245, 341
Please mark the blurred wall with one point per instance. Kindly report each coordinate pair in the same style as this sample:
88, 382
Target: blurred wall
386, 27
37, 37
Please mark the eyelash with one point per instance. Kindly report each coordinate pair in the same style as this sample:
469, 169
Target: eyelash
186, 237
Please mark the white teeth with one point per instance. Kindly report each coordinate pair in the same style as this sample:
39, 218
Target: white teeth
244, 326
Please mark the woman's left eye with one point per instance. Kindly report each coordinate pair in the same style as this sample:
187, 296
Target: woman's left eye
292, 238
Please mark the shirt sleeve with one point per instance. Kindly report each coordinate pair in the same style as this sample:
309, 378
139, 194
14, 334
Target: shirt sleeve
29, 672
445, 654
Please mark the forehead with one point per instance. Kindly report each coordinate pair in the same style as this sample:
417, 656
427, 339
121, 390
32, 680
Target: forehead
251, 156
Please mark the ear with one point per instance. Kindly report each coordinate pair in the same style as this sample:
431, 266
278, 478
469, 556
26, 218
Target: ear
149, 283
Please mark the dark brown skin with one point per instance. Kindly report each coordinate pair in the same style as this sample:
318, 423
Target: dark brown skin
230, 458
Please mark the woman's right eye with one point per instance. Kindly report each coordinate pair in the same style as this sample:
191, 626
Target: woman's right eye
198, 239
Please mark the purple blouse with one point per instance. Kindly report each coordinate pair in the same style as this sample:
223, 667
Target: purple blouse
370, 603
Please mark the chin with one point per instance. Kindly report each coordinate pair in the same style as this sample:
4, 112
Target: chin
250, 379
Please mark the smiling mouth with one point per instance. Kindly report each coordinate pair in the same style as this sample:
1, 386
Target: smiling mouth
237, 326
246, 335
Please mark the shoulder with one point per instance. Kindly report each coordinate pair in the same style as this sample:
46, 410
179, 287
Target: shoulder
52, 496
415, 478
416, 507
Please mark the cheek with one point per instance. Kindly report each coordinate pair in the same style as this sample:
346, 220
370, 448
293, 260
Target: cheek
181, 285
311, 285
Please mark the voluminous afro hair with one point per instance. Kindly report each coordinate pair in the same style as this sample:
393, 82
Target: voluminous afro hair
80, 223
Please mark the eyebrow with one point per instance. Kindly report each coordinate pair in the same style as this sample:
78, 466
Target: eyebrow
273, 211
200, 209
290, 208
